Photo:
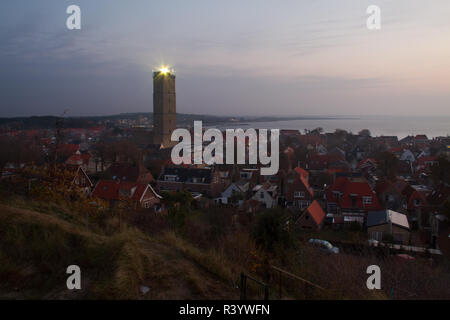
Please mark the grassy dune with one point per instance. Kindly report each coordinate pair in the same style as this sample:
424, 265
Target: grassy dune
39, 240
36, 249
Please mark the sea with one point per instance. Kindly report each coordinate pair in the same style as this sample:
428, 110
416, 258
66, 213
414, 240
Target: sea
400, 126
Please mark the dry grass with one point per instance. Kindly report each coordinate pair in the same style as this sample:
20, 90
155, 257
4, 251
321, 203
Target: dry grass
37, 247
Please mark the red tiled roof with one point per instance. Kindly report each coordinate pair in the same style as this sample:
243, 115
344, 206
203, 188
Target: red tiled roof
301, 172
78, 159
396, 150
418, 195
116, 190
356, 189
290, 132
368, 161
129, 172
304, 180
422, 160
316, 212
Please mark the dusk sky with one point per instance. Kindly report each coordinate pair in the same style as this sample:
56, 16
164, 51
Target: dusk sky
234, 57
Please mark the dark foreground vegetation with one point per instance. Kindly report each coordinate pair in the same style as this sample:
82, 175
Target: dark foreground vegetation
188, 253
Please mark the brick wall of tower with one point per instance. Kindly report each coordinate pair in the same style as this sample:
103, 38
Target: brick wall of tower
164, 108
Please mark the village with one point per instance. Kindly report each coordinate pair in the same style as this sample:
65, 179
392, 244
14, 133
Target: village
393, 191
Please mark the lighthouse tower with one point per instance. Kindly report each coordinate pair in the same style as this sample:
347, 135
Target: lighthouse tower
164, 106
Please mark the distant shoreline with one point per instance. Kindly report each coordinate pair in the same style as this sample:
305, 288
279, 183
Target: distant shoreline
432, 126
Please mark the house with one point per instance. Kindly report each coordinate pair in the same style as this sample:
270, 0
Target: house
416, 196
390, 196
64, 179
357, 153
79, 178
390, 141
396, 151
367, 165
405, 168
84, 160
250, 174
420, 139
313, 217
424, 164
407, 141
297, 191
200, 180
139, 194
351, 196
408, 156
276, 179
266, 194
310, 140
225, 175
423, 153
417, 205
235, 191
320, 149
387, 223
129, 172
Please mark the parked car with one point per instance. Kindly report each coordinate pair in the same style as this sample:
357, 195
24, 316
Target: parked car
324, 245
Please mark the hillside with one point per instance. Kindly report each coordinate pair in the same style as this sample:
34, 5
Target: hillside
36, 249
202, 260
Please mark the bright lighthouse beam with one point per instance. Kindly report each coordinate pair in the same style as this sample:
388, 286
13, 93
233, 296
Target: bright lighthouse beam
164, 70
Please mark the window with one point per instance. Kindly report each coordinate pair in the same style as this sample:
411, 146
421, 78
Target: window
376, 235
336, 195
245, 175
170, 178
302, 204
367, 200
261, 195
417, 202
354, 199
299, 194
